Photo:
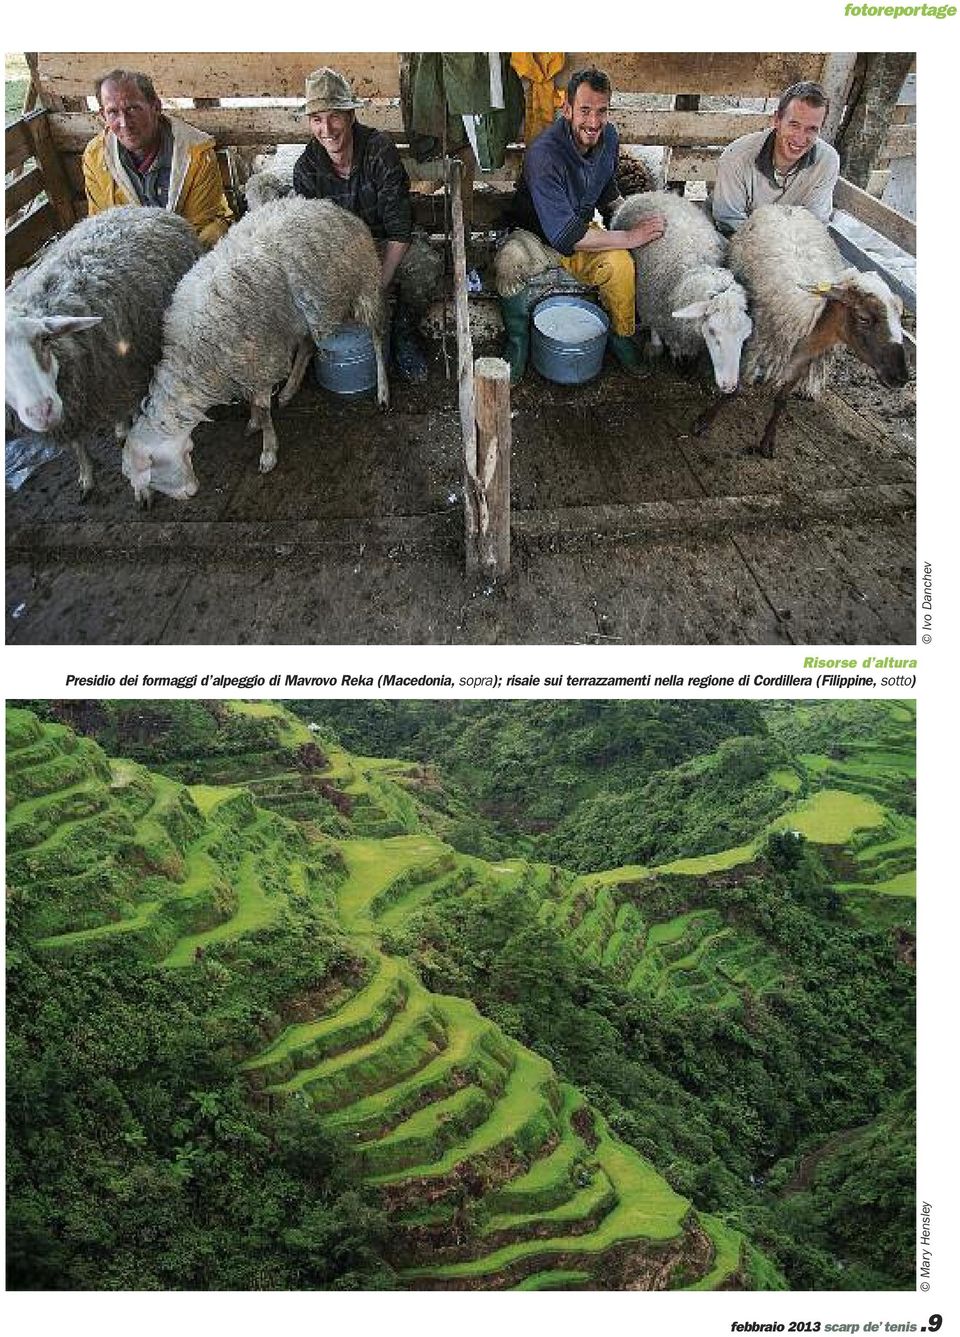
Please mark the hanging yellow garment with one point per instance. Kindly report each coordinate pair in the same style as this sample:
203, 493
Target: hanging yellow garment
544, 98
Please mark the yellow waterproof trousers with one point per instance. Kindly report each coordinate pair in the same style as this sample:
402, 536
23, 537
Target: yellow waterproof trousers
613, 274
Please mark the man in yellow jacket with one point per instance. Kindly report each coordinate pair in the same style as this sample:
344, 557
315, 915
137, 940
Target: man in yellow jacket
143, 156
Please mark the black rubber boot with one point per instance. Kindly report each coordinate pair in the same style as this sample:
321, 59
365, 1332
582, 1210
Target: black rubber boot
406, 350
516, 322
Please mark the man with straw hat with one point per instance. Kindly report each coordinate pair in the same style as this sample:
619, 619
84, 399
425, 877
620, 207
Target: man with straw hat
359, 169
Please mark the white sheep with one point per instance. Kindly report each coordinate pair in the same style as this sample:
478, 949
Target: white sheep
685, 296
805, 304
272, 176
84, 325
283, 279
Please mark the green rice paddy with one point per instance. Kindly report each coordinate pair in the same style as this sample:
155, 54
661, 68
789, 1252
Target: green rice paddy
427, 1094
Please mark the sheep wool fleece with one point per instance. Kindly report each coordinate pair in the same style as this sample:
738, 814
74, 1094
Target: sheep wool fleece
418, 277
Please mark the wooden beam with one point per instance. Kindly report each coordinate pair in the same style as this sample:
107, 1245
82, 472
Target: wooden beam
42, 97
896, 227
212, 74
22, 191
230, 126
492, 384
73, 167
686, 128
836, 78
210, 539
18, 145
234, 126
693, 165
25, 238
748, 73
376, 74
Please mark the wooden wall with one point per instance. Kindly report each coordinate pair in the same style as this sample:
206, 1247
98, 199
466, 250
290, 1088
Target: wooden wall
62, 83
222, 74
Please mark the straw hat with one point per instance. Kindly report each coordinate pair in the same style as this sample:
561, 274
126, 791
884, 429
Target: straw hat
328, 91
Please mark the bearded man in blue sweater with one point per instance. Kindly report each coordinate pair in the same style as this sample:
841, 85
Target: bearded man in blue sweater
569, 174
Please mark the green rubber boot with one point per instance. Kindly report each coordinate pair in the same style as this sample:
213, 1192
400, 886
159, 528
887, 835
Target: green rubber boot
624, 349
516, 322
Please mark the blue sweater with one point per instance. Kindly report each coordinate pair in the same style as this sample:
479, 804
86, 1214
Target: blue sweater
559, 188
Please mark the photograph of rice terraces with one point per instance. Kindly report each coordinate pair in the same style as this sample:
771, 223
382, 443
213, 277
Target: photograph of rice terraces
489, 995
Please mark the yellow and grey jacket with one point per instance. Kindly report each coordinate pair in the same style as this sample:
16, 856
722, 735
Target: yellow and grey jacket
196, 190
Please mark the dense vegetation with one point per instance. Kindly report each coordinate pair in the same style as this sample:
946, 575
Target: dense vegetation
135, 1158
532, 766
186, 1084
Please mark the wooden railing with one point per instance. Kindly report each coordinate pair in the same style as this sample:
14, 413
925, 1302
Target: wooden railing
38, 196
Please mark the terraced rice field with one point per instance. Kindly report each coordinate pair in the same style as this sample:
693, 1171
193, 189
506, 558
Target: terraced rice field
831, 817
492, 1167
436, 1101
677, 957
143, 854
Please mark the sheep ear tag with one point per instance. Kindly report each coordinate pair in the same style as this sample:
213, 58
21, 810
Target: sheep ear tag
818, 289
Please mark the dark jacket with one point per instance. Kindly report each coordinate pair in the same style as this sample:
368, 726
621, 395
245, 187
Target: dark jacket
559, 188
377, 189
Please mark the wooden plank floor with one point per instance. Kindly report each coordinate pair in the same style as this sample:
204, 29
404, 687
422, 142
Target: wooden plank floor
626, 528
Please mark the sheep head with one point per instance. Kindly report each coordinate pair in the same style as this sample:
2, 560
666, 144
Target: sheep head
32, 366
868, 322
725, 327
155, 459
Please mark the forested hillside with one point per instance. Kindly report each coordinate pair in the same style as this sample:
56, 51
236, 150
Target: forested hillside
287, 1010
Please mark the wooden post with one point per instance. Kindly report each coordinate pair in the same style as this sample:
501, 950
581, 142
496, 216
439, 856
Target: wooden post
836, 78
681, 102
464, 339
40, 95
464, 344
486, 455
467, 178
492, 381
54, 175
864, 135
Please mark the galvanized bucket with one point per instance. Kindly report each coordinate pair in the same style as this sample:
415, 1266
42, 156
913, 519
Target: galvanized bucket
569, 339
346, 362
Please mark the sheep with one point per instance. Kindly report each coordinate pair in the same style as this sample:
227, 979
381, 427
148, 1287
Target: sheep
272, 177
524, 263
685, 297
520, 258
805, 304
281, 280
84, 325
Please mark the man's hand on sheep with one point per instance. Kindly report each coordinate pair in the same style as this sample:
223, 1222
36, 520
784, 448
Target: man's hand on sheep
647, 230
